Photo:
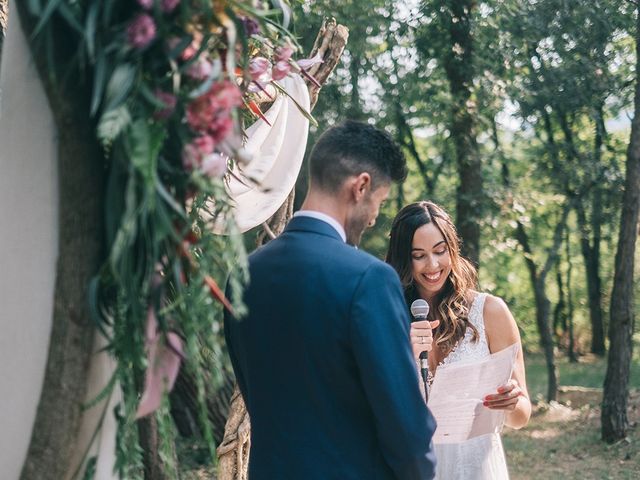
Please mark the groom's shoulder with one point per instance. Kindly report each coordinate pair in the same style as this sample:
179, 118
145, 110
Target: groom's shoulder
370, 264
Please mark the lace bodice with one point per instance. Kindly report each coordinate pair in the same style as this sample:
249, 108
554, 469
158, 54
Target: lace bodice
466, 349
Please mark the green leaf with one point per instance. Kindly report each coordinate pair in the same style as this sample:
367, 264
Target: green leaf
45, 16
99, 79
167, 197
104, 393
302, 110
93, 295
144, 142
119, 85
90, 28
128, 229
112, 124
65, 12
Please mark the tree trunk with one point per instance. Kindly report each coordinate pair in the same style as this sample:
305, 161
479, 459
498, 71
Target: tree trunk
571, 347
233, 453
81, 187
615, 422
543, 308
559, 311
459, 68
591, 256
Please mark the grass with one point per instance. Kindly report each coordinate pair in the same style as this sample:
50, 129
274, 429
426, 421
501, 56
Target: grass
588, 372
562, 439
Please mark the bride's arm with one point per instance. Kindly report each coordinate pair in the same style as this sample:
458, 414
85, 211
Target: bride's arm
502, 331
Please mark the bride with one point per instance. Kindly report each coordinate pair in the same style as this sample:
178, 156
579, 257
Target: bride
467, 325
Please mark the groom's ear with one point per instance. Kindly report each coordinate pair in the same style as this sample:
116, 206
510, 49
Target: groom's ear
360, 185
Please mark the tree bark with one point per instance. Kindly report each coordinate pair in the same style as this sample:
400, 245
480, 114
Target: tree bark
233, 453
4, 17
591, 256
458, 64
80, 163
614, 417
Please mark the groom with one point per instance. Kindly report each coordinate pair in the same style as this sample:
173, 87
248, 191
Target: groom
323, 358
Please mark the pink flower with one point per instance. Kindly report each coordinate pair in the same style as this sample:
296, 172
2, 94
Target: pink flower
221, 127
200, 69
214, 165
307, 63
169, 100
194, 152
211, 112
283, 53
251, 27
141, 31
280, 70
163, 364
146, 4
168, 6
189, 52
259, 67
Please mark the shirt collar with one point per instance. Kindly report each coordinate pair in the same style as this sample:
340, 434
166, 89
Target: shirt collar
325, 218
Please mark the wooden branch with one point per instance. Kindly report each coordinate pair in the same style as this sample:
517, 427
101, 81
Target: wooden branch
329, 44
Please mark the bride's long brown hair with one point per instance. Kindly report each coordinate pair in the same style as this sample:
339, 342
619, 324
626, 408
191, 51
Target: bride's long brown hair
452, 303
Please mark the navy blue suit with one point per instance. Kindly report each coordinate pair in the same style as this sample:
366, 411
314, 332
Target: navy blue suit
324, 364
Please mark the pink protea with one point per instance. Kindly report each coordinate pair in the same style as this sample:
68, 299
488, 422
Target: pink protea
214, 165
168, 6
141, 31
169, 100
280, 70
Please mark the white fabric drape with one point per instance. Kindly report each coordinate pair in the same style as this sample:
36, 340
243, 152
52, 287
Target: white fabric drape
277, 151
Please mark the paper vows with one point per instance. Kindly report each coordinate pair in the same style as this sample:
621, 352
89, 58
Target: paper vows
455, 398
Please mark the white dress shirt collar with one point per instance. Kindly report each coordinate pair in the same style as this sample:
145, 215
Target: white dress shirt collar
325, 218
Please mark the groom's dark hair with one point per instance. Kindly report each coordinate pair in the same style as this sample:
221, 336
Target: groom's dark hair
352, 148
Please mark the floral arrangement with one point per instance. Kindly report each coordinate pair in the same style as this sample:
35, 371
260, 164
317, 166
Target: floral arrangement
173, 83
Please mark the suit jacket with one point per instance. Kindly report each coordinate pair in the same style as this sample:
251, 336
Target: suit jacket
324, 364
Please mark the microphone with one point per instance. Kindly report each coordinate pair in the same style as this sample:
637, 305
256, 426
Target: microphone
420, 311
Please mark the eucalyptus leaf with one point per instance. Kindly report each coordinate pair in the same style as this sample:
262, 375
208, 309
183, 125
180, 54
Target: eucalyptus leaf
119, 85
99, 80
90, 28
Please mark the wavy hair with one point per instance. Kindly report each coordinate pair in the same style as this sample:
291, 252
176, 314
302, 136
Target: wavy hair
452, 302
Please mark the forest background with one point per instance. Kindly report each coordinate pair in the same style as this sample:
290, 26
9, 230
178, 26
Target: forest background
515, 116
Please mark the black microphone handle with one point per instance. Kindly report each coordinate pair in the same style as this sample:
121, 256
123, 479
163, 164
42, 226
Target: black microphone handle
424, 371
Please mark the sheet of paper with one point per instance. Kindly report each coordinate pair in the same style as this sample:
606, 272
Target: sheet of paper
455, 398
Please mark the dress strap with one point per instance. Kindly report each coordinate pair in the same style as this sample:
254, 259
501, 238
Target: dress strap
475, 312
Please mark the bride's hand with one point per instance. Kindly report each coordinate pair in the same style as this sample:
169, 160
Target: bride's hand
506, 397
422, 336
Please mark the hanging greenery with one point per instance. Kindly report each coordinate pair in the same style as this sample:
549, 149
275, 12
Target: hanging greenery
173, 84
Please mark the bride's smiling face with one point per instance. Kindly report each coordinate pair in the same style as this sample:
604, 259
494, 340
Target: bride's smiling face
430, 260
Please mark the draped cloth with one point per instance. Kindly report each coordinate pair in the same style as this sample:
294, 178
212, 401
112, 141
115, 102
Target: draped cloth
276, 149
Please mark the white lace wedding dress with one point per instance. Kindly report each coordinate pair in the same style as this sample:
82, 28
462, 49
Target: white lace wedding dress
481, 458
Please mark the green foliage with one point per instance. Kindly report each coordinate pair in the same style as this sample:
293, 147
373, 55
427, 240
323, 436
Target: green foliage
552, 89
